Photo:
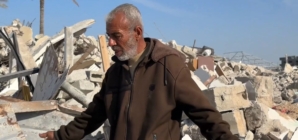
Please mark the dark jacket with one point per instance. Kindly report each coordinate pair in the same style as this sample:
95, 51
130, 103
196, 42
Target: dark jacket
149, 105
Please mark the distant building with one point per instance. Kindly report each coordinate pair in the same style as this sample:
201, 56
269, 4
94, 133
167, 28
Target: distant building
292, 60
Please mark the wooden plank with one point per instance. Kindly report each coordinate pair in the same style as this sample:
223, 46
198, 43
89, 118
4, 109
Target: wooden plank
32, 106
25, 91
10, 99
209, 81
195, 63
71, 109
48, 81
68, 47
104, 52
80, 61
85, 64
190, 66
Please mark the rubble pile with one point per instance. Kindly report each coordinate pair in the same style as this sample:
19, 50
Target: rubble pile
258, 103
67, 69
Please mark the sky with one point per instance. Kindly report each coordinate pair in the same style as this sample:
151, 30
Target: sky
267, 29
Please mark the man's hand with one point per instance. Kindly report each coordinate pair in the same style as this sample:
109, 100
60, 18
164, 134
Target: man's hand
48, 135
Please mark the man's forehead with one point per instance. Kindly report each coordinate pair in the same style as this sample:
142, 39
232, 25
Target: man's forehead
117, 24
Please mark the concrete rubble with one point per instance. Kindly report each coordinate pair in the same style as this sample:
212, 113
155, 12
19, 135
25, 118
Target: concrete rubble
258, 103
48, 84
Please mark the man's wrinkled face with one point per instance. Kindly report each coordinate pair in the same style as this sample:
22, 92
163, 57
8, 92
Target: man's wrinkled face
121, 38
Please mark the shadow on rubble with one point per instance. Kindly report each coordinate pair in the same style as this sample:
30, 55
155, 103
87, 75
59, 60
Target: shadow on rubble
293, 86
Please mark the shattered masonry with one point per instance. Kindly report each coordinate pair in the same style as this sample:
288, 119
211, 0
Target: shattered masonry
258, 103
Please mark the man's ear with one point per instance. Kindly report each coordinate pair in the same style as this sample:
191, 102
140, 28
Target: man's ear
138, 32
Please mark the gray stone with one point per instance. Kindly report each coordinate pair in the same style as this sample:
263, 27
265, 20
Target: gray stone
84, 85
252, 94
254, 117
77, 75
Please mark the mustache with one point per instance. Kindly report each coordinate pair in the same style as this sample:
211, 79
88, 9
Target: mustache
116, 48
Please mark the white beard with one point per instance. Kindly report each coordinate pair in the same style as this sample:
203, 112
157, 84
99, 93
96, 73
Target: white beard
130, 53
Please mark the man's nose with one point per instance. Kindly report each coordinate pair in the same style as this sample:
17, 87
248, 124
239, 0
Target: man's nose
112, 42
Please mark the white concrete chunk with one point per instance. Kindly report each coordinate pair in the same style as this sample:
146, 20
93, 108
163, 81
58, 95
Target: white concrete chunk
186, 137
249, 136
237, 122
295, 135
228, 98
198, 81
77, 75
288, 68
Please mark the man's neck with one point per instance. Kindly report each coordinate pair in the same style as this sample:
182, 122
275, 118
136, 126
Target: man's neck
140, 50
135, 59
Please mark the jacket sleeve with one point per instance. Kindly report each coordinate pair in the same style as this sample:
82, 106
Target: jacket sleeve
198, 108
89, 120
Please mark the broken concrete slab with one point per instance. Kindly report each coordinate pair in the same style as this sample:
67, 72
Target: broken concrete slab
68, 47
9, 126
203, 73
47, 75
237, 122
264, 88
260, 116
198, 81
295, 135
26, 35
76, 27
236, 67
75, 93
40, 41
216, 83
251, 92
77, 75
228, 98
288, 68
85, 86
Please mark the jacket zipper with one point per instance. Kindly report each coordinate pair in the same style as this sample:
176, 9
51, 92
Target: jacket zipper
154, 137
130, 98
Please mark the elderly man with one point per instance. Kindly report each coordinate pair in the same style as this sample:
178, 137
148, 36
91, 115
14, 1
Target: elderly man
144, 93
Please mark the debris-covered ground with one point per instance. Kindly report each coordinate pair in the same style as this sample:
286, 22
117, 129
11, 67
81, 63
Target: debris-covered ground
44, 84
